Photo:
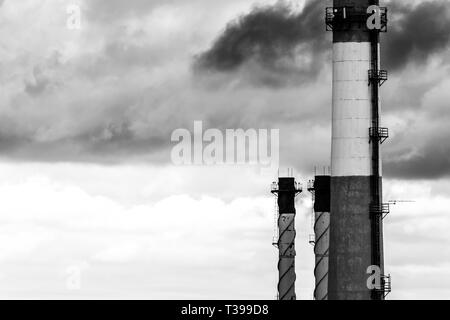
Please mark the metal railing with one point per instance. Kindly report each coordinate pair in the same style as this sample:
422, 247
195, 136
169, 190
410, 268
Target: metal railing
348, 17
380, 209
379, 134
378, 76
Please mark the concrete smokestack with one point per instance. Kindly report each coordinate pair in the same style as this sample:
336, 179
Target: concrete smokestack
286, 190
321, 191
356, 208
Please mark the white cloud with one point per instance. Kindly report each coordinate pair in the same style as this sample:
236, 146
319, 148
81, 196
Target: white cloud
169, 246
55, 223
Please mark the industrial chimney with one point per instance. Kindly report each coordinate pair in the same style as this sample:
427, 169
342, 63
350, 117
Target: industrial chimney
320, 189
356, 207
286, 190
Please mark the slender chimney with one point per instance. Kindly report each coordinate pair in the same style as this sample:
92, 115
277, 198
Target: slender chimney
321, 191
286, 190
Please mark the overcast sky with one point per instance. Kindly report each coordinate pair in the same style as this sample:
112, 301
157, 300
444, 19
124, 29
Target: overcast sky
86, 116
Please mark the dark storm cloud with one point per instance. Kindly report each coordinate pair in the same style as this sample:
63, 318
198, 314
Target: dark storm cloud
271, 36
433, 165
433, 162
422, 152
110, 143
416, 33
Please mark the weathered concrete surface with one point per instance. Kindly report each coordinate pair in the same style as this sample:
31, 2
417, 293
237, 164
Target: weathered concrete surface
350, 238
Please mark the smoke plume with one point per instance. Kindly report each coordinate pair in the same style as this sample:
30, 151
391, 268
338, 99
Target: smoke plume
273, 37
294, 45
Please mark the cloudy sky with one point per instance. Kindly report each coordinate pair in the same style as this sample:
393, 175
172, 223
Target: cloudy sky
91, 204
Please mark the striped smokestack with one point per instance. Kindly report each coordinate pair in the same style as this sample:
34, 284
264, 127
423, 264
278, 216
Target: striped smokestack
321, 191
286, 190
355, 203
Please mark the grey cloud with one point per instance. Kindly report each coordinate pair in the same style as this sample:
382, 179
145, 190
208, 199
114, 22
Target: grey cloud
108, 144
36, 88
420, 147
434, 164
416, 33
272, 37
116, 58
110, 10
136, 125
38, 84
408, 91
426, 158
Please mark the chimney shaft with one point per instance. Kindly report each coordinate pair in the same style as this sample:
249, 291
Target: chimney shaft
355, 230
